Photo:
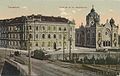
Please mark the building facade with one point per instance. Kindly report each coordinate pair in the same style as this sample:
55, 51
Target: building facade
96, 35
43, 32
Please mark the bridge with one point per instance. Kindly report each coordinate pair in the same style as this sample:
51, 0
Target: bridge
14, 66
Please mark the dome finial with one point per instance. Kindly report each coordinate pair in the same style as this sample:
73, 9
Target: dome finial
92, 6
112, 21
82, 24
92, 10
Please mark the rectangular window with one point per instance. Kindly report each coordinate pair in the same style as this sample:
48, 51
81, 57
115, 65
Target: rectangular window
36, 27
36, 35
30, 27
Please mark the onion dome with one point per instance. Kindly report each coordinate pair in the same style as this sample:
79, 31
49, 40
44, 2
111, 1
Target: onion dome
112, 21
93, 15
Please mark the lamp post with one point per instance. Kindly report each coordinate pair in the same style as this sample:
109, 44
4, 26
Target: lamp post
70, 40
29, 52
117, 58
63, 46
29, 59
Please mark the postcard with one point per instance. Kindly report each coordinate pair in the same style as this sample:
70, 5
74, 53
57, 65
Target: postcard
59, 38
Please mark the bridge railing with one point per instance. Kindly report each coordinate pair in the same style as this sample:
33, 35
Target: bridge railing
20, 60
23, 69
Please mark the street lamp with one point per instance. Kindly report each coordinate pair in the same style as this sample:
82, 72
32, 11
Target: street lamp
70, 40
117, 58
63, 46
29, 52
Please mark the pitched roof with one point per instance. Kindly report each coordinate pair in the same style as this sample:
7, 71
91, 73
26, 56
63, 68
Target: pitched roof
38, 17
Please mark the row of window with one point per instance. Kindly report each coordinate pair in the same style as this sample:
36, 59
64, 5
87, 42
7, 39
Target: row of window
99, 34
10, 28
14, 35
106, 43
48, 36
31, 36
14, 28
48, 28
2, 29
15, 43
50, 44
3, 35
3, 42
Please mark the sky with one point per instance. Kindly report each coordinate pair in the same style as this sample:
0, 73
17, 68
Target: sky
71, 9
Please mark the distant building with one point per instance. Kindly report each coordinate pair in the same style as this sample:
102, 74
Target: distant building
45, 32
96, 35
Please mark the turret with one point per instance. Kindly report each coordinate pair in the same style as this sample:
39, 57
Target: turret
92, 18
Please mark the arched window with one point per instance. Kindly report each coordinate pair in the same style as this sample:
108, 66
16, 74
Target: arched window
114, 34
99, 34
65, 43
36, 44
103, 43
49, 36
71, 29
60, 36
109, 43
30, 27
65, 36
37, 28
106, 43
30, 35
59, 28
43, 28
54, 28
30, 44
43, 44
39, 36
54, 45
36, 35
106, 33
82, 32
43, 35
65, 29
49, 28
60, 43
54, 36
48, 44
115, 44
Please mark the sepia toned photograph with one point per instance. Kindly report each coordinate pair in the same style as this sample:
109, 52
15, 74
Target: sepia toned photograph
60, 38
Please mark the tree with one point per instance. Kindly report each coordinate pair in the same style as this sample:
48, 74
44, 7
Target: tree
86, 60
93, 60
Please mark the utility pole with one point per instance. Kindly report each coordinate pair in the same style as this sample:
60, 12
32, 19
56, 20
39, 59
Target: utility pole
29, 52
70, 40
117, 58
63, 46
29, 59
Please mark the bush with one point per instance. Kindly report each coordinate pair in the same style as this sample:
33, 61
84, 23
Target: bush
39, 54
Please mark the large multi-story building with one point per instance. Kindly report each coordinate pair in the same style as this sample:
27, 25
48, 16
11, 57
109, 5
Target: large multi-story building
43, 32
96, 35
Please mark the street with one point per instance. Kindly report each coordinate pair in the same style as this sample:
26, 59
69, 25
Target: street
46, 68
43, 68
